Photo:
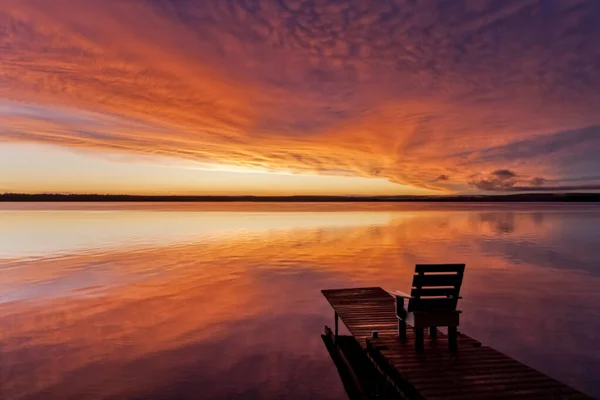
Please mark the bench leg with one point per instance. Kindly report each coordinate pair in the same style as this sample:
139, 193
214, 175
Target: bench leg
420, 339
433, 332
452, 333
402, 330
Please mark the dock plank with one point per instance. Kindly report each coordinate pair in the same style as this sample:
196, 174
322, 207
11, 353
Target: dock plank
474, 371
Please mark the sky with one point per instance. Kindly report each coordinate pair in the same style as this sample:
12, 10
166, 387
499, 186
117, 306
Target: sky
274, 97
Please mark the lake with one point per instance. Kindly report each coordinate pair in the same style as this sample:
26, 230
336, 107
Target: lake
222, 300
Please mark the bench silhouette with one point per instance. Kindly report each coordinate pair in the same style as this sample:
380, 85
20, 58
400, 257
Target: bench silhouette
431, 303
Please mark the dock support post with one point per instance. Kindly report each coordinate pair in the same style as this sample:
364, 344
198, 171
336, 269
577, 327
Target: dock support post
336, 326
452, 332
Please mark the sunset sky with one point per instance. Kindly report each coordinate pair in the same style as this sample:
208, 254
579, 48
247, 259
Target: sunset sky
299, 96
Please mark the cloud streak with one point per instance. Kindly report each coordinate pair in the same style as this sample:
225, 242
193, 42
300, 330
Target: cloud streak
409, 92
504, 180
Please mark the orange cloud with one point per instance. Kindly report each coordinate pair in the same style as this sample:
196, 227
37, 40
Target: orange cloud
405, 92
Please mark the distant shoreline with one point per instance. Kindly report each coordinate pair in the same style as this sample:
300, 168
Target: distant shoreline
534, 197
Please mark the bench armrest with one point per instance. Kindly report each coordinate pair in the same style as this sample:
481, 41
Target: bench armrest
398, 293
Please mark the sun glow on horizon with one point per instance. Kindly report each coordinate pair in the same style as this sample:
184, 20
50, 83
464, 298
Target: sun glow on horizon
35, 168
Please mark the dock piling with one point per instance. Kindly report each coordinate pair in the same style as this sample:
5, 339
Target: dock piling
336, 326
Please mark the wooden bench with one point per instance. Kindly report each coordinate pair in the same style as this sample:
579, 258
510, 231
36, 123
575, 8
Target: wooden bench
432, 302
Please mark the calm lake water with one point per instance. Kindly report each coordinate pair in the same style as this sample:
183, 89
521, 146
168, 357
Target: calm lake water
214, 301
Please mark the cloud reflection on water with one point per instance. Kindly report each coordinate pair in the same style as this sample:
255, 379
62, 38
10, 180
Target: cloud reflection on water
224, 304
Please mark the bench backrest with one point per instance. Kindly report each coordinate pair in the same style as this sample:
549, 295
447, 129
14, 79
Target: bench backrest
436, 287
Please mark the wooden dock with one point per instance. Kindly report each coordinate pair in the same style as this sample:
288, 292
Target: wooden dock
474, 371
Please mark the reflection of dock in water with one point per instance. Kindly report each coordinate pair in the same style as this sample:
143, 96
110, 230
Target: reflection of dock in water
361, 379
385, 367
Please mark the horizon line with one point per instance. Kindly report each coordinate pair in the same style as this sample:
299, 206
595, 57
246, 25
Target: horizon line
96, 197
